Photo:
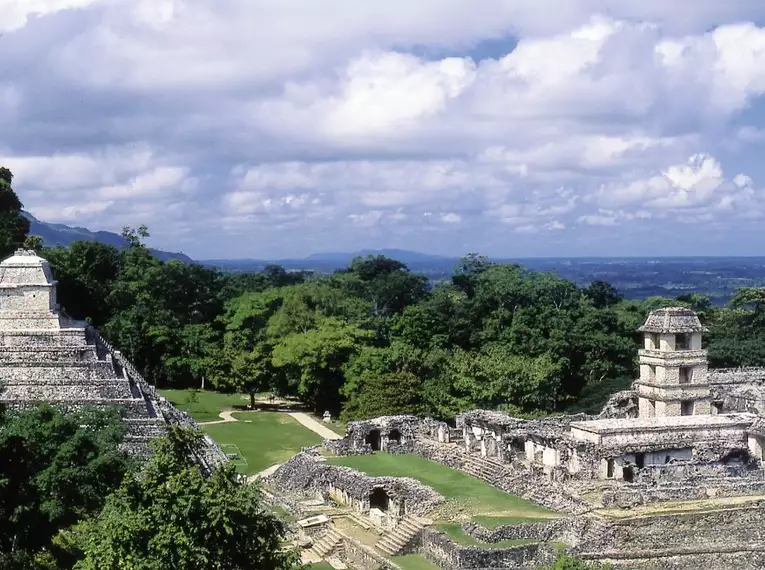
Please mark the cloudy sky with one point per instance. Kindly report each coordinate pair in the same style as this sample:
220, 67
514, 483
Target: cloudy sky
268, 128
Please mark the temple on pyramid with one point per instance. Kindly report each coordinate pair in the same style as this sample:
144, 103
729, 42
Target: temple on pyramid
45, 356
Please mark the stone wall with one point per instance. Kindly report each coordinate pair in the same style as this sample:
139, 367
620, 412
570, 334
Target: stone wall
306, 474
446, 554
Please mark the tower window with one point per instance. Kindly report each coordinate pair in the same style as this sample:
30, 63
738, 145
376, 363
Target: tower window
686, 375
686, 408
682, 342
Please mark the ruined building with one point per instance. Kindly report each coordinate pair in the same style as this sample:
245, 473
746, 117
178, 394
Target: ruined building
47, 357
668, 476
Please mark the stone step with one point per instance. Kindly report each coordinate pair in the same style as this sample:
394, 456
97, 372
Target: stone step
394, 542
327, 543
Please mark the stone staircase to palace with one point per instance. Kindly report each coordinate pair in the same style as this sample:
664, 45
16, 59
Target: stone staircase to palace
396, 540
521, 483
327, 543
486, 469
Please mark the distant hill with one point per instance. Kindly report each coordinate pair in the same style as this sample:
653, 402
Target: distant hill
60, 234
402, 255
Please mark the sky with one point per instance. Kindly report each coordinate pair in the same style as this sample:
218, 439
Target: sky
281, 128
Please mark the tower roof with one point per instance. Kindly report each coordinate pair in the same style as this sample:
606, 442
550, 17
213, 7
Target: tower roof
25, 268
672, 320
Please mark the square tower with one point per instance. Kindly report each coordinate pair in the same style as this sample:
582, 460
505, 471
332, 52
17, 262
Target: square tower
673, 366
27, 294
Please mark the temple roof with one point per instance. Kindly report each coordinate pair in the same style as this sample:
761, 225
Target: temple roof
25, 268
672, 320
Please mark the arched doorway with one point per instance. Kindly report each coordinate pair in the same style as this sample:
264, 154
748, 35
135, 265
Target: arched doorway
373, 439
394, 435
378, 499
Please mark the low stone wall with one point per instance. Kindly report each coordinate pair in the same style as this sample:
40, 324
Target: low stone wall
569, 531
633, 496
727, 527
446, 554
306, 474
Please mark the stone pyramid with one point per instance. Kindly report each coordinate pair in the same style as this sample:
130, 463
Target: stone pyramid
47, 357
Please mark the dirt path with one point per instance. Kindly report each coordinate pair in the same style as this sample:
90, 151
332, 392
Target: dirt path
304, 419
314, 426
225, 418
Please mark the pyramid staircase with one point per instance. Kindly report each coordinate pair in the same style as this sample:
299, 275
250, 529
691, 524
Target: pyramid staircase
396, 540
327, 543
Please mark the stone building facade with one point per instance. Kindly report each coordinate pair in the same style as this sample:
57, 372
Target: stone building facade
45, 356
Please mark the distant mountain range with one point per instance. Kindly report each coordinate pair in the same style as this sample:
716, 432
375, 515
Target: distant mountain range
60, 234
637, 278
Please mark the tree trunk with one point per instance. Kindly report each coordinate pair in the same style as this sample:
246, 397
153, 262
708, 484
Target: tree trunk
252, 400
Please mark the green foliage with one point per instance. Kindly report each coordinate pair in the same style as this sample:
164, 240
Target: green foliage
171, 516
56, 469
387, 394
13, 226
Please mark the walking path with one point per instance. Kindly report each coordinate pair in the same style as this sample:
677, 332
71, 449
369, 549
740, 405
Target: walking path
304, 419
314, 426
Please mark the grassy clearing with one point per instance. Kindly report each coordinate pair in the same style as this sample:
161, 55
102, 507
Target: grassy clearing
455, 532
414, 562
204, 405
267, 439
466, 493
320, 566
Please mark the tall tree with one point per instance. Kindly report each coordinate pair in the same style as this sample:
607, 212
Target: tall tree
54, 470
14, 227
171, 516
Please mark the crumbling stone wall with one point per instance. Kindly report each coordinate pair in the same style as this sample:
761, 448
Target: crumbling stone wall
306, 474
446, 554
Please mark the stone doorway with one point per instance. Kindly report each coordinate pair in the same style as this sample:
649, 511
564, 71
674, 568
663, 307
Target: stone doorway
379, 499
373, 439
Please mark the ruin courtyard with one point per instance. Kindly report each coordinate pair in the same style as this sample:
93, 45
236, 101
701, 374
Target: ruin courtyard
668, 476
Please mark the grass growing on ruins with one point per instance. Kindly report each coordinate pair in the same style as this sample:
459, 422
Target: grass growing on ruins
458, 535
414, 562
467, 494
204, 405
263, 438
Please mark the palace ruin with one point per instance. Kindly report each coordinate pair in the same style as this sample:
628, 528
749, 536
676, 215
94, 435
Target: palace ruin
668, 476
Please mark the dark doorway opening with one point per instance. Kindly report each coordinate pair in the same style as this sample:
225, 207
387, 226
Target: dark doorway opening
640, 460
373, 439
378, 499
629, 474
394, 435
737, 456
610, 468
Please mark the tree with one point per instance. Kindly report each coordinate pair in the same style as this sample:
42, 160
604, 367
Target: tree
14, 227
54, 470
170, 516
388, 394
313, 360
603, 294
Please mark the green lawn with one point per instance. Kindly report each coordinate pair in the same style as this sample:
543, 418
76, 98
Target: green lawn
268, 439
464, 492
207, 405
414, 562
320, 566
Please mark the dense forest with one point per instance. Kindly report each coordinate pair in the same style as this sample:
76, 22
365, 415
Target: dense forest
370, 339
375, 338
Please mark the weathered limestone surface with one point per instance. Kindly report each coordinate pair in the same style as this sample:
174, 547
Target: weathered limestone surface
306, 474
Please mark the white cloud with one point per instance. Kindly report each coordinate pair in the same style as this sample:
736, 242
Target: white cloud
272, 117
